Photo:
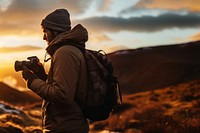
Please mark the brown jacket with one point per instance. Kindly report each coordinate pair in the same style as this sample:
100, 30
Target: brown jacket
67, 81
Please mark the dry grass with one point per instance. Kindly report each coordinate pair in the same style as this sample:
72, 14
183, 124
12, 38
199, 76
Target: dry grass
175, 109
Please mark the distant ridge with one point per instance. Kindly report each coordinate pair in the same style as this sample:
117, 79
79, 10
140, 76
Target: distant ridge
15, 97
156, 67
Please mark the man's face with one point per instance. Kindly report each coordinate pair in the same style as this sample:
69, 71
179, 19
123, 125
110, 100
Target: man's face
48, 35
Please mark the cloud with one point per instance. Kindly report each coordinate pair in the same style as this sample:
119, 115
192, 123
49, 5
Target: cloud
23, 17
4, 4
76, 6
189, 5
18, 49
45, 6
142, 24
98, 38
195, 37
104, 5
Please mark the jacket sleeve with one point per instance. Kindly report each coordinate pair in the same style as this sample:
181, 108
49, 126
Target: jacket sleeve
65, 77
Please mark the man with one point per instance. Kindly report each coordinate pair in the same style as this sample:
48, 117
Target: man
67, 78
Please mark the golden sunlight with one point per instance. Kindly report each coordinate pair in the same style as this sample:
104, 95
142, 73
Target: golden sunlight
195, 37
171, 4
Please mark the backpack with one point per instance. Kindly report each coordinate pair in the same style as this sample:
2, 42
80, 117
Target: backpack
103, 94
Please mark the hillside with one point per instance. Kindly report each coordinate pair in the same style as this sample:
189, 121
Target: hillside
15, 97
174, 109
150, 68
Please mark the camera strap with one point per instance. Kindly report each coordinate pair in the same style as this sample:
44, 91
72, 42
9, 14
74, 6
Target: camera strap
45, 57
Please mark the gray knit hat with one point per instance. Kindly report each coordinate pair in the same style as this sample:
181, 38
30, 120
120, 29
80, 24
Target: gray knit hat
58, 20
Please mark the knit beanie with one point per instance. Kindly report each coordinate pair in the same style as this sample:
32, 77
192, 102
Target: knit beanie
58, 20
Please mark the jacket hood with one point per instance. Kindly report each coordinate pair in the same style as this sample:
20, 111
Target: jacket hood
78, 36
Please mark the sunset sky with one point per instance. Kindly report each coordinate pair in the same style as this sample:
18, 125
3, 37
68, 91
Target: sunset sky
112, 24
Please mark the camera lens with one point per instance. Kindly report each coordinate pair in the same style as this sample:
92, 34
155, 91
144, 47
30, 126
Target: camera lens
18, 66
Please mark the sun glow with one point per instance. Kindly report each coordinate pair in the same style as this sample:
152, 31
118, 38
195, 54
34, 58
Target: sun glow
14, 40
8, 59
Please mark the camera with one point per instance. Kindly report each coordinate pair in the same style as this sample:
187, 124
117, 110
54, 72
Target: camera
32, 64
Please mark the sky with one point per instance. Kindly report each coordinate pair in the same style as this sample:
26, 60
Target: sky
112, 24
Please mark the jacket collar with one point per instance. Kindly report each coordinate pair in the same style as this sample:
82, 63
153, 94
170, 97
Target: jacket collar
78, 36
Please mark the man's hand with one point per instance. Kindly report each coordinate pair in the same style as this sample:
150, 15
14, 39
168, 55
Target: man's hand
37, 68
28, 75
41, 73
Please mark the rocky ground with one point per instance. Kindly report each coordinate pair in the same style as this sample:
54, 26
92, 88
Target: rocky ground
19, 120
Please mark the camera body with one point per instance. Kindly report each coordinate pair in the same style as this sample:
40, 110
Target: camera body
32, 64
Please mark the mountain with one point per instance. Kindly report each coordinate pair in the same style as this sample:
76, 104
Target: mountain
156, 67
15, 97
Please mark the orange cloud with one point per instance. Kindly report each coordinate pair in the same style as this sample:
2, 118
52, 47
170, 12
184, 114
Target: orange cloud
195, 37
105, 5
23, 17
190, 5
19, 23
98, 38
